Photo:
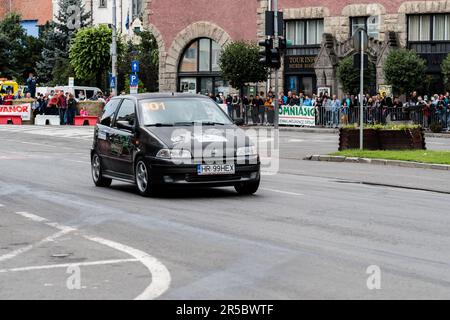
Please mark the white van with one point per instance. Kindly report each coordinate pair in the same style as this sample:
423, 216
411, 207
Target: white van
80, 93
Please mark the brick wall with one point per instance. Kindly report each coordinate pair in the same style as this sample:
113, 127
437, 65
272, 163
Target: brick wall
41, 10
236, 17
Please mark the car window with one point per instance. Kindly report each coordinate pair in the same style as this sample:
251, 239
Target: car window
79, 93
127, 112
89, 94
176, 110
109, 111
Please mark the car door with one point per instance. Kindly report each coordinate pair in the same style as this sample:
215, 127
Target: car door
122, 140
104, 129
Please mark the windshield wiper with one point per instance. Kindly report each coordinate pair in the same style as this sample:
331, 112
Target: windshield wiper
203, 123
160, 125
185, 123
211, 123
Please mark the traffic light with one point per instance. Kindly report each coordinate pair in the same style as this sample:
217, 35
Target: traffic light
283, 44
265, 52
275, 58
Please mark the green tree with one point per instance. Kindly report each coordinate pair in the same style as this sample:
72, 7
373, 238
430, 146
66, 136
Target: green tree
145, 50
54, 66
349, 76
18, 51
404, 70
445, 67
239, 62
89, 53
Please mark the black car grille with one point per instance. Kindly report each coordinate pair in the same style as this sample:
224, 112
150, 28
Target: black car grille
222, 177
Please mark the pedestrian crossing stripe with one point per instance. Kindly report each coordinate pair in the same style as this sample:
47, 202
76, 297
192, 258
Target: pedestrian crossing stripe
81, 133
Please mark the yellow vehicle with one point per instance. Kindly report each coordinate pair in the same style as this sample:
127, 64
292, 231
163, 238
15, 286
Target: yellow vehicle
6, 85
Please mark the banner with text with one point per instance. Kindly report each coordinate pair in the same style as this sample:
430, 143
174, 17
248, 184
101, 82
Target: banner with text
297, 116
23, 110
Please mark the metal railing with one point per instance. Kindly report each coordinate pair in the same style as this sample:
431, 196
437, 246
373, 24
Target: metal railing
327, 117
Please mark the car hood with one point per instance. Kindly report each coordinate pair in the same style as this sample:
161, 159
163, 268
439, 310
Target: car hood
186, 137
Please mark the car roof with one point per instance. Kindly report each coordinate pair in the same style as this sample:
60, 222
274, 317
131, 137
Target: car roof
162, 95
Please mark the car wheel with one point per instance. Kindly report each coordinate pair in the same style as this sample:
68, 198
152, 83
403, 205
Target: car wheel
142, 177
247, 188
97, 173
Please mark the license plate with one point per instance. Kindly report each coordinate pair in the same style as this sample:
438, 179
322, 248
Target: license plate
213, 169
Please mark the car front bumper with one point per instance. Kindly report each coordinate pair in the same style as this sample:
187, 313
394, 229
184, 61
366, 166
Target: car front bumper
166, 172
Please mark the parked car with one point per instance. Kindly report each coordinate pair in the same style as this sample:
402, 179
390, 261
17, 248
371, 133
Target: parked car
80, 93
153, 140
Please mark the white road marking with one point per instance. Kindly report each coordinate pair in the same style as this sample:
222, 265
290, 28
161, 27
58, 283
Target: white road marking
284, 192
161, 278
1, 205
31, 216
51, 238
66, 265
160, 275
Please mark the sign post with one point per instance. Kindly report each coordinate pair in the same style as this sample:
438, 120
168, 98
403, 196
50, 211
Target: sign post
134, 82
360, 42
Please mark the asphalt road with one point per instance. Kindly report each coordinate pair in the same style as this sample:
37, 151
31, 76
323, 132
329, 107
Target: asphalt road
311, 232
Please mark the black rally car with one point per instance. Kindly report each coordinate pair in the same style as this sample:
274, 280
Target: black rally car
157, 139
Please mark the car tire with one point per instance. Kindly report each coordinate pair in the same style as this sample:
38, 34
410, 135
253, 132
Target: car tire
97, 172
142, 178
247, 188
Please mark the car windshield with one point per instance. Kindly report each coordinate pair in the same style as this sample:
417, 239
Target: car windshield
185, 111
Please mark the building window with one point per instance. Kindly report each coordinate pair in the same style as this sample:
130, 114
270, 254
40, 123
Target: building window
304, 32
102, 3
419, 28
357, 23
369, 24
199, 69
202, 55
31, 27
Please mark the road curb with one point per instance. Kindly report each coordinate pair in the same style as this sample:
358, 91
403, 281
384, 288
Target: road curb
382, 162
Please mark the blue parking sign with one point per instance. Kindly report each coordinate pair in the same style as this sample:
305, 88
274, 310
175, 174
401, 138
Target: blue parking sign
135, 66
134, 80
112, 82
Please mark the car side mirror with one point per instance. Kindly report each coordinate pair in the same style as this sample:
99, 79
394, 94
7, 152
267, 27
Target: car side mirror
239, 122
126, 125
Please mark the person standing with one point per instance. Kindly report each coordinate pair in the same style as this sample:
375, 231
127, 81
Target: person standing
246, 103
261, 108
31, 83
236, 104
229, 106
335, 107
71, 109
62, 107
8, 99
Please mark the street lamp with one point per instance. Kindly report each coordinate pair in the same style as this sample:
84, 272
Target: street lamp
360, 42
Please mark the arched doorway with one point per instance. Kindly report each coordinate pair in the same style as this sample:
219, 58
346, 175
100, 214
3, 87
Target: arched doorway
199, 71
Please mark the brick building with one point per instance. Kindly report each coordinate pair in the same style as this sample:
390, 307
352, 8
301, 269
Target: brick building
34, 13
191, 33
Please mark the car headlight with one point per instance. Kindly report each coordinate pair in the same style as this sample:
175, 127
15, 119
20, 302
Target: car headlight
174, 154
246, 151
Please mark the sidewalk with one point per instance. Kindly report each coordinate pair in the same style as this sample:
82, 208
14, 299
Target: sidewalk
335, 131
398, 163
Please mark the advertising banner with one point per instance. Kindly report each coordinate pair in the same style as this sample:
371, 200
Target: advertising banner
23, 110
297, 116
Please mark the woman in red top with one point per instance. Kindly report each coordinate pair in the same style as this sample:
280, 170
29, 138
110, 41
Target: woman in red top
8, 99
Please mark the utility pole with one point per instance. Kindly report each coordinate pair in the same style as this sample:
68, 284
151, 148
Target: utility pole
114, 45
361, 95
276, 44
